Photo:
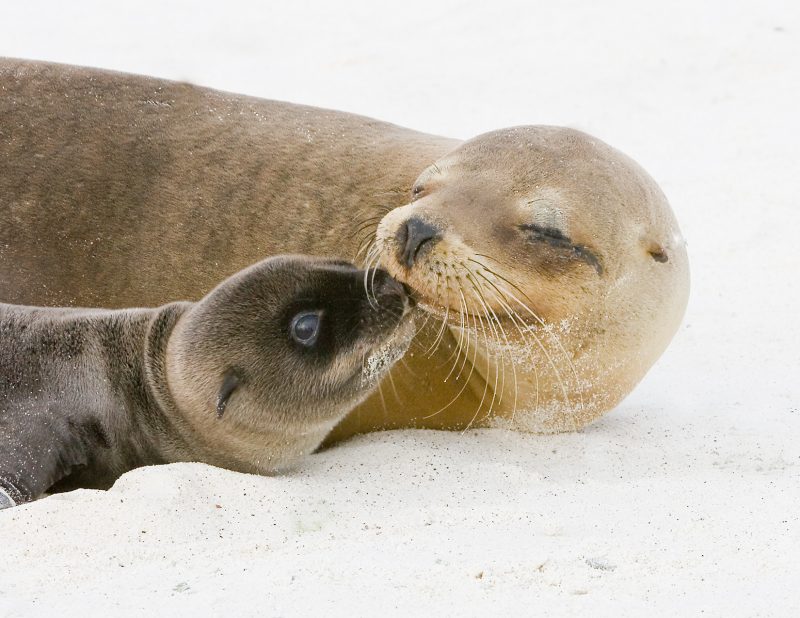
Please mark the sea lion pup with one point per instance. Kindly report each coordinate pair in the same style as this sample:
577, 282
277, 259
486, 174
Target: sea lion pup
120, 190
250, 378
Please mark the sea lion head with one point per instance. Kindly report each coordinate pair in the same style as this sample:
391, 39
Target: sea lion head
277, 354
547, 239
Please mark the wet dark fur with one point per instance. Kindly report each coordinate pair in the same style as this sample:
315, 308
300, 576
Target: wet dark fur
78, 414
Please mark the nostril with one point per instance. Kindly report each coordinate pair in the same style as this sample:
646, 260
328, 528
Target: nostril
414, 236
401, 237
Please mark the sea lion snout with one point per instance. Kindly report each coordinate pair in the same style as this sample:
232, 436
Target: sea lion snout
414, 237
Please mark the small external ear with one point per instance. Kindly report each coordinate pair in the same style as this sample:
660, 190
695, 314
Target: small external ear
658, 253
655, 249
229, 384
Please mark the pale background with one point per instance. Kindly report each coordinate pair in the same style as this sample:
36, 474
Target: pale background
684, 499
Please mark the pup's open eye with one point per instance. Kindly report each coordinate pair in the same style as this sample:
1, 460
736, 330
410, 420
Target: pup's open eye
417, 190
305, 327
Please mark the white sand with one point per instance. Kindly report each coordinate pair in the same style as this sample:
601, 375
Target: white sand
684, 500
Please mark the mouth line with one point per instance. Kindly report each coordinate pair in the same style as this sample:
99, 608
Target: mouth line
423, 302
471, 319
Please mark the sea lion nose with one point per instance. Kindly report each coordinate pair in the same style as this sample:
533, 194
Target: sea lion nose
391, 293
412, 237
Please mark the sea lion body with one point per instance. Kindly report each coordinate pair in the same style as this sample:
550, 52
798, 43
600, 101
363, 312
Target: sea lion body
88, 394
120, 190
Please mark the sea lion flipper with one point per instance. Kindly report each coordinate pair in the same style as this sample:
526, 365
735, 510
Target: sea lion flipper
6, 501
37, 450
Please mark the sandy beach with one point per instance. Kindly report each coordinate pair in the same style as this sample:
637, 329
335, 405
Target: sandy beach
685, 500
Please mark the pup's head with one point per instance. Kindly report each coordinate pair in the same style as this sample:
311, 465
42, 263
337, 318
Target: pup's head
286, 348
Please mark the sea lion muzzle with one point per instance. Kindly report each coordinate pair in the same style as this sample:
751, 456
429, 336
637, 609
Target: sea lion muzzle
413, 237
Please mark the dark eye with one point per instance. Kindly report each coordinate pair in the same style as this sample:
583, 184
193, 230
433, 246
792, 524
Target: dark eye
417, 190
305, 327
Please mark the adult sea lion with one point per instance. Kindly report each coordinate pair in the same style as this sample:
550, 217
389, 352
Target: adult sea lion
551, 265
250, 378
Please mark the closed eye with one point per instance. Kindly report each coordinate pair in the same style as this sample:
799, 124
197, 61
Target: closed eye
545, 233
556, 238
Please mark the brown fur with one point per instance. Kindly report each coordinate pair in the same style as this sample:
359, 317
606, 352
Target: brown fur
120, 190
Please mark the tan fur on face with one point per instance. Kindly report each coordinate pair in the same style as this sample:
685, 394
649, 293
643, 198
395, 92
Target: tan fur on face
556, 336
